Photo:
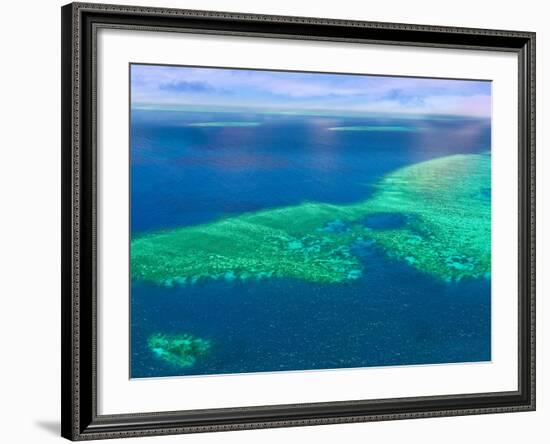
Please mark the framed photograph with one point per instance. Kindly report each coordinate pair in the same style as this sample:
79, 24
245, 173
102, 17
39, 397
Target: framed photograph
280, 221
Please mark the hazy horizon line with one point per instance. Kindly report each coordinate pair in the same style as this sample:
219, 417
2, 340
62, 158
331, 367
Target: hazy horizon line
145, 106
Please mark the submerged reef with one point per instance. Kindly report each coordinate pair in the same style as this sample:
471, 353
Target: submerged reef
179, 350
377, 128
434, 215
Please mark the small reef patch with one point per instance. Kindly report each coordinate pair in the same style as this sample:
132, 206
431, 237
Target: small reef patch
178, 350
377, 128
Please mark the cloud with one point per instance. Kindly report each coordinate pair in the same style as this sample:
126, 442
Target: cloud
187, 86
404, 98
184, 86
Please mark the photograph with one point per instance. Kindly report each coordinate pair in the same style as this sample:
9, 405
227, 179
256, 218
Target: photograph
286, 220
293, 220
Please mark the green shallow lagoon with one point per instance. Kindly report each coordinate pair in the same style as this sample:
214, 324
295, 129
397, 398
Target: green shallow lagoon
444, 230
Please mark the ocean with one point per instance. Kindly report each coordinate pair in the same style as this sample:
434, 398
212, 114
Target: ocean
194, 169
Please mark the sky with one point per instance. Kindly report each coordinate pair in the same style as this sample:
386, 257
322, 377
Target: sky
179, 86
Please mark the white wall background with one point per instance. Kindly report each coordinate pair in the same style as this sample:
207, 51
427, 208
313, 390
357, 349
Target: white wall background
30, 219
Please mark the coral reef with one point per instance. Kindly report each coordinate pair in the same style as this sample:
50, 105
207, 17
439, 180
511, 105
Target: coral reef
435, 215
449, 232
377, 128
179, 350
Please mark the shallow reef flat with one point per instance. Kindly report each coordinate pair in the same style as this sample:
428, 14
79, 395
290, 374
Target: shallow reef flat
435, 215
449, 201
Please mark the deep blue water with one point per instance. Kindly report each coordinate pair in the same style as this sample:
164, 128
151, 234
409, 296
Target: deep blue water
394, 315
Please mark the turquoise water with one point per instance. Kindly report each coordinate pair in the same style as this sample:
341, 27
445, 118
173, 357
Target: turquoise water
192, 168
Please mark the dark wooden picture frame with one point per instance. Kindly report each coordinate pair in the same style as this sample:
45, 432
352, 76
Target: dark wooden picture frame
80, 419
